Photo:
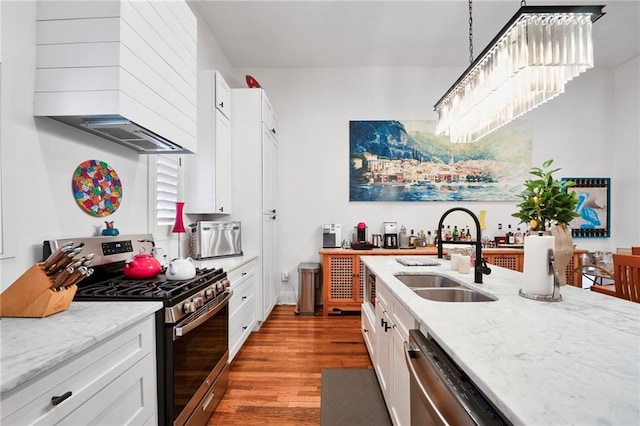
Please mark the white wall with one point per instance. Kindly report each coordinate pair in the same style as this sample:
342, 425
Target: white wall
314, 107
625, 145
39, 157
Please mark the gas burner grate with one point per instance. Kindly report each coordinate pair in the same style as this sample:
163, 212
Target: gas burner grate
159, 288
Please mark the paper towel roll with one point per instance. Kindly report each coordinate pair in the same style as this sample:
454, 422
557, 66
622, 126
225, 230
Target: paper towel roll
455, 259
537, 278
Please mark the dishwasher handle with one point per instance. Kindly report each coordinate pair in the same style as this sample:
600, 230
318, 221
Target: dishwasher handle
415, 362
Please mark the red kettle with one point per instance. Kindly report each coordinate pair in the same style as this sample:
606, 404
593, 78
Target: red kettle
142, 266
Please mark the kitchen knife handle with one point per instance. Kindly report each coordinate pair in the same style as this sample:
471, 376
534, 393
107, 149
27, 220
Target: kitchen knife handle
55, 400
57, 255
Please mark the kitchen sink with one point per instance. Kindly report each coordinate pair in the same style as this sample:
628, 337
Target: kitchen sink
452, 294
426, 281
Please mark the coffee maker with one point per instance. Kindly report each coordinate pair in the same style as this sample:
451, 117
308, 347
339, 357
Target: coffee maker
390, 235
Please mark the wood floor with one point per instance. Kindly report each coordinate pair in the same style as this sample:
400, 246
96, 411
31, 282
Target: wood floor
275, 378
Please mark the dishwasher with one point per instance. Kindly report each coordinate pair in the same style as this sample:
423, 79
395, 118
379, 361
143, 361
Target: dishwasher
440, 392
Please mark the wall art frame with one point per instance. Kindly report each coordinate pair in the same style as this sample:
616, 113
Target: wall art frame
405, 160
594, 195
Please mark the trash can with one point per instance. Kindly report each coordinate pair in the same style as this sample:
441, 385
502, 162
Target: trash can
308, 287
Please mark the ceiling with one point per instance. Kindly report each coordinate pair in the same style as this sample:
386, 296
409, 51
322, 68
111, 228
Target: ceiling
359, 33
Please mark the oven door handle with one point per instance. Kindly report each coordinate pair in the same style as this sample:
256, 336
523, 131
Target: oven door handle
189, 324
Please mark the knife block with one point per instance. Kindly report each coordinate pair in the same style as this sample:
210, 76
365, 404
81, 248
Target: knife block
31, 296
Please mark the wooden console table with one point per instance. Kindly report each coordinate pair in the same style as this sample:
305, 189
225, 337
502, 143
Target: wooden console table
343, 274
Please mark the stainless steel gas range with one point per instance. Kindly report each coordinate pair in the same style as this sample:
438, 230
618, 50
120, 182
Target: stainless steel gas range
191, 331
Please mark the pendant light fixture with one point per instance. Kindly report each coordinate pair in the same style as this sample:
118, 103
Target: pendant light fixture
529, 62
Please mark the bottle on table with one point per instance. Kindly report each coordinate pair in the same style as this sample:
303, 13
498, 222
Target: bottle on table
404, 239
510, 235
412, 239
519, 237
455, 235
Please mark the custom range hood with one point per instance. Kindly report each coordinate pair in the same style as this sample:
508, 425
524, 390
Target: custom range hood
124, 132
123, 70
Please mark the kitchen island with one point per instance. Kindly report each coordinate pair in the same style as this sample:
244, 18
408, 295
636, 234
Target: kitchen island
571, 362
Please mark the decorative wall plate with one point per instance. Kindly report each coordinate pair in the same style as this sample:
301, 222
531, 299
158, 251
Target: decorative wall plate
96, 188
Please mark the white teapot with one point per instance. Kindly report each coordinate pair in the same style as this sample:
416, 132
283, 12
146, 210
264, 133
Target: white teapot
181, 269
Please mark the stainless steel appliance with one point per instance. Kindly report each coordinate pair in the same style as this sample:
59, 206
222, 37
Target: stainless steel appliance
390, 235
331, 235
440, 392
192, 329
215, 239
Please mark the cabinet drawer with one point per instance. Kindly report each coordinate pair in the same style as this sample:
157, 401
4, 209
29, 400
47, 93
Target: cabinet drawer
242, 294
403, 320
243, 271
241, 324
369, 330
85, 376
126, 400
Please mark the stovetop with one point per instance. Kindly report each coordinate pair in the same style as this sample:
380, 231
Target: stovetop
157, 288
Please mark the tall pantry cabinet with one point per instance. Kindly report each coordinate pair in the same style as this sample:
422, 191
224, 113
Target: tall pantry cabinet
254, 151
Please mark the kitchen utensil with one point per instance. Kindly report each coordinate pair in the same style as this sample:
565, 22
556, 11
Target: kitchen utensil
57, 255
376, 240
181, 269
142, 266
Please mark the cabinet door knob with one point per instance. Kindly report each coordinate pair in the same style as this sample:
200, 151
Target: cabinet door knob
221, 209
221, 104
55, 400
273, 131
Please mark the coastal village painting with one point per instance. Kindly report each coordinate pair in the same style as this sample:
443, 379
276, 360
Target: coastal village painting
393, 160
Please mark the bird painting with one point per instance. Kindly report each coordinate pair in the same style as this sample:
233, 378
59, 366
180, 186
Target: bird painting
587, 210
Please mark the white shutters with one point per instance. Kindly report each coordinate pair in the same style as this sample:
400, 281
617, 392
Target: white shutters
167, 172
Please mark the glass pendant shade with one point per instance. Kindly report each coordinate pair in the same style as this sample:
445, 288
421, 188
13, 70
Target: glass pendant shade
178, 227
526, 64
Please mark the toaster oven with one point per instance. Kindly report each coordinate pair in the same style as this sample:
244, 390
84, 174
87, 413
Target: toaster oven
210, 239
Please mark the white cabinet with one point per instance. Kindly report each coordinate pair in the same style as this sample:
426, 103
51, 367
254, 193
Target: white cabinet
111, 383
393, 322
208, 180
242, 319
368, 323
254, 181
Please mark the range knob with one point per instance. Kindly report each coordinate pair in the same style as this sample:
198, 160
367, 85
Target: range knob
208, 293
189, 307
198, 301
219, 287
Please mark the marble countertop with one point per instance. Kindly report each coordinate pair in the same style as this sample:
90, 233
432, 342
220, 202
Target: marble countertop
32, 346
571, 362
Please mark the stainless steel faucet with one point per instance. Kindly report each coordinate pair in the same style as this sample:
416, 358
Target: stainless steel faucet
481, 263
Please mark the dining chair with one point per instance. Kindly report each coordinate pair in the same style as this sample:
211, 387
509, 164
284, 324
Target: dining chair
635, 251
626, 271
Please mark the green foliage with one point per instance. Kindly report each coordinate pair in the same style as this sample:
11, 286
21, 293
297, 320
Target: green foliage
545, 200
